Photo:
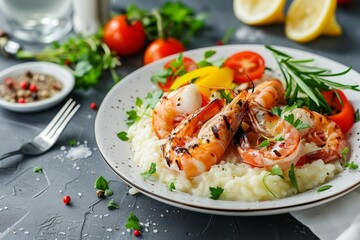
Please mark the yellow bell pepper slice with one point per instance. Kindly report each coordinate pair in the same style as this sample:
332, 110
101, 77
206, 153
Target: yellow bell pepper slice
188, 77
220, 79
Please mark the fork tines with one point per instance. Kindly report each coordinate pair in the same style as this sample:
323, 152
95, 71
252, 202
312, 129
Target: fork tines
61, 119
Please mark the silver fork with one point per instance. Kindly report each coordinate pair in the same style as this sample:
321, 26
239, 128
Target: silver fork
47, 137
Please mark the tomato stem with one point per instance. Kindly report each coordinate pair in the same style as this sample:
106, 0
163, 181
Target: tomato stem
159, 23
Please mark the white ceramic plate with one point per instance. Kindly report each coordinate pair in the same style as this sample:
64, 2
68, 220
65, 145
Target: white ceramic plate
112, 115
61, 73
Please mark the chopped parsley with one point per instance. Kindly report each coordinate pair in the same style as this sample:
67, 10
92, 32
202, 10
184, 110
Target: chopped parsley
122, 136
150, 172
290, 118
161, 76
38, 169
351, 165
171, 186
132, 117
133, 222
265, 143
205, 62
72, 142
324, 188
216, 192
112, 205
344, 153
292, 177
101, 183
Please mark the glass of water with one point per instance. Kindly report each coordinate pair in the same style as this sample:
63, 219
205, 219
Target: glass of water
37, 21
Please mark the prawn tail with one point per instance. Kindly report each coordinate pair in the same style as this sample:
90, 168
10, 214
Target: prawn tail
327, 155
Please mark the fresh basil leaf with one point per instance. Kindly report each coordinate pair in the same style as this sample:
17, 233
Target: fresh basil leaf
122, 136
108, 192
38, 169
112, 205
133, 222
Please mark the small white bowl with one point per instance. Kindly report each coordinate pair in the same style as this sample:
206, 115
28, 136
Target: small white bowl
62, 74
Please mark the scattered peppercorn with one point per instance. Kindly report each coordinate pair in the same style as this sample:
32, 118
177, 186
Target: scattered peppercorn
100, 193
33, 87
21, 100
136, 233
93, 106
67, 199
24, 85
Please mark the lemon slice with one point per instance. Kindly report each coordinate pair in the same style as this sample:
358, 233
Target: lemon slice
307, 19
333, 29
259, 12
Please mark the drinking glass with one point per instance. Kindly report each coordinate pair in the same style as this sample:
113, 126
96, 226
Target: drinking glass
37, 21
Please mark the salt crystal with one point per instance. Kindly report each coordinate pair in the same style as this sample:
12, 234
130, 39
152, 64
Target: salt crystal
109, 229
5, 208
133, 191
155, 230
95, 215
26, 232
62, 148
146, 230
106, 215
161, 215
79, 152
85, 235
62, 233
0, 209
100, 216
60, 191
123, 233
79, 194
89, 116
37, 179
77, 168
21, 229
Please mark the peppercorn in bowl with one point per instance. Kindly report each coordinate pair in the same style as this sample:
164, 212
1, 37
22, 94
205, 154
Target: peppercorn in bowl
34, 86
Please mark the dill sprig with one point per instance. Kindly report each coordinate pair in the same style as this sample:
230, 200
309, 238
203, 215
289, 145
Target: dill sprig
305, 82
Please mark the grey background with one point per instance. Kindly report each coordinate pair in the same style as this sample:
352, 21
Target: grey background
31, 204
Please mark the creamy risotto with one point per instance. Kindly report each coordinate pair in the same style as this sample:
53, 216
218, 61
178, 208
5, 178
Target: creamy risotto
240, 181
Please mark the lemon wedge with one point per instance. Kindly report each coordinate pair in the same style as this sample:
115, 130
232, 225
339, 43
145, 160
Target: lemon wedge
259, 12
308, 19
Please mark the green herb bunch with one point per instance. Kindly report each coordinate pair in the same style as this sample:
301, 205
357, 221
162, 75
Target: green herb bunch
87, 57
176, 19
305, 82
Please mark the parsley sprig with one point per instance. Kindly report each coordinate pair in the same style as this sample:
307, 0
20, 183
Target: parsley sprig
305, 81
133, 222
149, 172
290, 118
216, 192
86, 56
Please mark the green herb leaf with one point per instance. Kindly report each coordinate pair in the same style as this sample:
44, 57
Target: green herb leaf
161, 76
152, 99
226, 96
112, 205
298, 124
292, 177
38, 169
352, 165
133, 222
108, 192
72, 142
171, 186
324, 188
344, 153
216, 192
227, 35
265, 143
276, 170
122, 136
132, 117
266, 186
357, 115
150, 172
101, 183
138, 102
209, 54
279, 138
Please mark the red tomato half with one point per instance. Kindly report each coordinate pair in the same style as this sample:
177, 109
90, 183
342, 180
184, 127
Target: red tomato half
189, 66
161, 48
343, 114
243, 63
124, 37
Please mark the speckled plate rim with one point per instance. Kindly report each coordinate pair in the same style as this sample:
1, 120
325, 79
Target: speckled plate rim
61, 73
111, 119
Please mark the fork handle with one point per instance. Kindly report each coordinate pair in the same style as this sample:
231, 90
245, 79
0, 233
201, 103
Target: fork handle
10, 154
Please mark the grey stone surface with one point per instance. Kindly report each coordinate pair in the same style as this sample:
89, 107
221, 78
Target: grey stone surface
31, 204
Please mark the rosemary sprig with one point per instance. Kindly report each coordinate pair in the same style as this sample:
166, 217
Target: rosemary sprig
305, 82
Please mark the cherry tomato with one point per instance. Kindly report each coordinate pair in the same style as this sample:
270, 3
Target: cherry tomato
161, 48
136, 233
246, 63
93, 106
343, 114
189, 66
123, 36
